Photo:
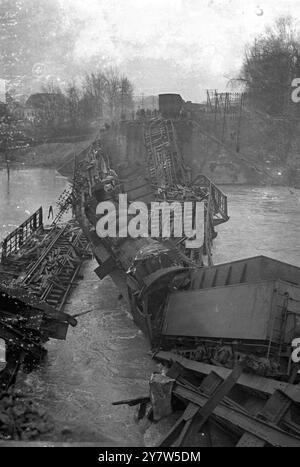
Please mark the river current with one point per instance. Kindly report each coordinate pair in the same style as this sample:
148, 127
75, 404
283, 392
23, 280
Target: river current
105, 358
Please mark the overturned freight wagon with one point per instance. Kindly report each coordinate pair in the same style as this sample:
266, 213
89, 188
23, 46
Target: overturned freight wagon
249, 307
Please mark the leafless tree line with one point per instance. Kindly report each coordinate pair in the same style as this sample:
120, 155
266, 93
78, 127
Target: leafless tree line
270, 64
102, 96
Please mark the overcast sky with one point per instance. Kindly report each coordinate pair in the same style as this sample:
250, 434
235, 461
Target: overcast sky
180, 46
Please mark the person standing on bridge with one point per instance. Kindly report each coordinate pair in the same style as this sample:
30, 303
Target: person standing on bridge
50, 212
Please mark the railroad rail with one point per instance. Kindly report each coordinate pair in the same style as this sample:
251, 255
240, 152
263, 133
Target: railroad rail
163, 156
64, 204
35, 284
58, 288
165, 164
170, 179
51, 276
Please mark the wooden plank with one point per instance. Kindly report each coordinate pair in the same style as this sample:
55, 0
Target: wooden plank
263, 430
195, 417
181, 426
204, 413
274, 410
250, 441
257, 383
132, 402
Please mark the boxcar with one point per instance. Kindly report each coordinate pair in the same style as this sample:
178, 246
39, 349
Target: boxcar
170, 105
257, 320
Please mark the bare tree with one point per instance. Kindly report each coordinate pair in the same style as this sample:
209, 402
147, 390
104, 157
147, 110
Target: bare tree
113, 88
270, 64
126, 97
73, 94
94, 91
53, 106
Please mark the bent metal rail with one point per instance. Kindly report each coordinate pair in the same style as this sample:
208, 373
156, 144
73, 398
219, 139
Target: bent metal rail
16, 239
51, 277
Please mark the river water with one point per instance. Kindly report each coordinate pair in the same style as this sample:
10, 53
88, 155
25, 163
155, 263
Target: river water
23, 191
263, 221
105, 358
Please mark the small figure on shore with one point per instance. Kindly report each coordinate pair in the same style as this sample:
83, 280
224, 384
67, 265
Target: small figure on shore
50, 212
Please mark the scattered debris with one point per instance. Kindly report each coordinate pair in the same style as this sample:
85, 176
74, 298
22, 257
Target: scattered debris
22, 419
38, 270
208, 405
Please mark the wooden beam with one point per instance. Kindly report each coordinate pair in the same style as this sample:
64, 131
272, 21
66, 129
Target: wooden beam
270, 433
247, 380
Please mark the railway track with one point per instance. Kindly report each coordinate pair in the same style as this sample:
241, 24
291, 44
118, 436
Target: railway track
52, 275
37, 272
168, 174
162, 153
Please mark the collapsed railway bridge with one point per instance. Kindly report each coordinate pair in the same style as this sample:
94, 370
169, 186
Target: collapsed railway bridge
222, 331
38, 269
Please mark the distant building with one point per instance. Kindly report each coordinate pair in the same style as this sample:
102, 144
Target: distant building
3, 110
45, 107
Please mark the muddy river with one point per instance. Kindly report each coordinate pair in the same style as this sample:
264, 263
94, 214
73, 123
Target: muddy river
106, 357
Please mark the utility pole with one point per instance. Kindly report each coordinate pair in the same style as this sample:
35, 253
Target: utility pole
239, 123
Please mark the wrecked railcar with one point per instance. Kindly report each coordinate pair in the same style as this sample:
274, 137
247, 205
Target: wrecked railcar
216, 314
163, 178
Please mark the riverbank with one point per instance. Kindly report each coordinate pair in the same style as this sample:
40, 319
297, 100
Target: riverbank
202, 153
48, 155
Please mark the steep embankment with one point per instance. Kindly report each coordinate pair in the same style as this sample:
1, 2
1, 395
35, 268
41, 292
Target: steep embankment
257, 149
205, 153
54, 154
273, 143
202, 151
50, 155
